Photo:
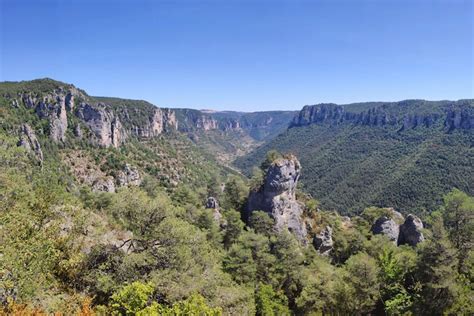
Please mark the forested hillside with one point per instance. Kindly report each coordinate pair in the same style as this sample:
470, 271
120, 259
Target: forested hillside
108, 207
404, 155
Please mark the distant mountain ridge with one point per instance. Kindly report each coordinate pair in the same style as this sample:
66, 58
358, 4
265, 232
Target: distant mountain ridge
120, 119
401, 154
404, 114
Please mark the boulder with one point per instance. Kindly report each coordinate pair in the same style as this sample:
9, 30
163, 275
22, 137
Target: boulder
411, 231
386, 226
212, 203
277, 197
323, 242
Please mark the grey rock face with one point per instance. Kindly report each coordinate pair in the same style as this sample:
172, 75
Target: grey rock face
29, 141
129, 176
54, 109
410, 231
152, 128
387, 227
458, 115
29, 101
319, 113
414, 120
156, 123
159, 121
458, 118
69, 100
323, 241
277, 197
106, 127
169, 120
230, 125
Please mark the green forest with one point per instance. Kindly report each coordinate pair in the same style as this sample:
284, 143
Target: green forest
157, 247
351, 167
179, 261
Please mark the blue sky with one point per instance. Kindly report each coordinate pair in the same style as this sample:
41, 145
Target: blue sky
244, 55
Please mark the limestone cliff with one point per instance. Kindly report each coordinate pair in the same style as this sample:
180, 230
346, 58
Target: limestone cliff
105, 126
111, 122
54, 107
404, 115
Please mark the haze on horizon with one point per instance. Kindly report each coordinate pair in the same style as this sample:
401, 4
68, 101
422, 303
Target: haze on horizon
243, 55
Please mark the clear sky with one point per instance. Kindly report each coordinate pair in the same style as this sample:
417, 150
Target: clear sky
244, 55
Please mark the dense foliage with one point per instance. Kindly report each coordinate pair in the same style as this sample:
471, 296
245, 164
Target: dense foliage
154, 249
349, 167
60, 248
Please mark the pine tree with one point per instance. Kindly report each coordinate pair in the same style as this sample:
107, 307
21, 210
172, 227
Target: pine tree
458, 216
436, 272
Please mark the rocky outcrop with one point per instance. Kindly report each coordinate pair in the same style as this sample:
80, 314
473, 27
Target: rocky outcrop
129, 176
29, 141
153, 127
110, 122
412, 121
29, 100
399, 230
53, 108
156, 123
323, 242
326, 112
206, 123
70, 98
230, 125
213, 204
334, 114
106, 127
386, 226
169, 120
277, 196
411, 231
